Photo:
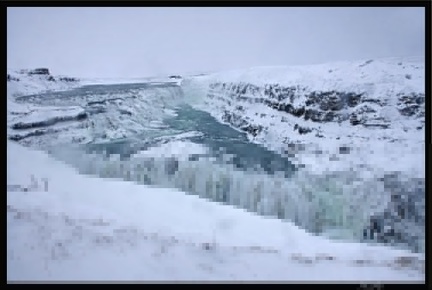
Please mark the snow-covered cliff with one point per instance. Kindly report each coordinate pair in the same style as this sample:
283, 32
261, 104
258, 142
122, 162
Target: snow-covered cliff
365, 119
368, 113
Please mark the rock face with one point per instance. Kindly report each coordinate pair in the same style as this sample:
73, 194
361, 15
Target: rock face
68, 79
11, 78
48, 122
43, 74
401, 222
39, 71
411, 104
355, 108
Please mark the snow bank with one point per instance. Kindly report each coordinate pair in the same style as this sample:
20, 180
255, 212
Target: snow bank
65, 226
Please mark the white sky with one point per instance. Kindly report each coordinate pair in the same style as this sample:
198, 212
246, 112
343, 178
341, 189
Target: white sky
135, 42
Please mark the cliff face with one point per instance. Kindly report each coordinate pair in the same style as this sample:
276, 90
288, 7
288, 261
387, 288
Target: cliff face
343, 107
373, 108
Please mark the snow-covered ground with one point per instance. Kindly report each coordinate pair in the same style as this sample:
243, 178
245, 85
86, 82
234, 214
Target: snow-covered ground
24, 84
65, 226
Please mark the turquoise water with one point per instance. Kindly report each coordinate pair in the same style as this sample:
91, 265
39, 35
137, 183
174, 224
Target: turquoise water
234, 170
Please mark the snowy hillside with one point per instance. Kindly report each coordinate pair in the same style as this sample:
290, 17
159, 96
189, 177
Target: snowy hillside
326, 111
65, 226
26, 82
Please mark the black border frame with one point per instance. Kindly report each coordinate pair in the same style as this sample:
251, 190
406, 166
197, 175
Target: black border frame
243, 3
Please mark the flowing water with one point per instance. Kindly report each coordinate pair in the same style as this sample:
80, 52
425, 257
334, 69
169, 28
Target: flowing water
167, 142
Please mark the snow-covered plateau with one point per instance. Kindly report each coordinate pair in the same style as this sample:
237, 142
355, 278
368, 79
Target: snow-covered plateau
306, 173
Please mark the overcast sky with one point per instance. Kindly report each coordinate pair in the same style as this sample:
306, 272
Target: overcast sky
135, 42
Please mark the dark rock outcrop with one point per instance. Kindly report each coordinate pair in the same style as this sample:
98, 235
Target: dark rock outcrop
234, 119
344, 150
18, 137
302, 130
95, 109
68, 79
48, 122
333, 100
325, 106
39, 71
254, 130
376, 125
357, 108
352, 99
125, 112
403, 221
104, 101
11, 78
410, 105
375, 101
354, 120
